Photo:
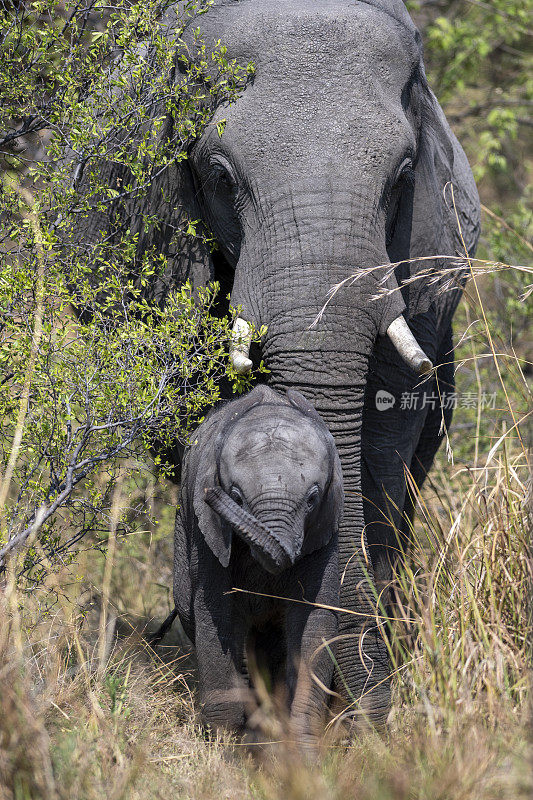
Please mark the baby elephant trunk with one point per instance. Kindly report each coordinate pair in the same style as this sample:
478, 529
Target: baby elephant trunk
264, 544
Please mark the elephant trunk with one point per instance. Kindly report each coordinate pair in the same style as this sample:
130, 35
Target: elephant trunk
265, 544
338, 395
312, 241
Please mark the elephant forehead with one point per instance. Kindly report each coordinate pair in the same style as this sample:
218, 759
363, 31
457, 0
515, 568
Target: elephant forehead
328, 35
283, 441
325, 72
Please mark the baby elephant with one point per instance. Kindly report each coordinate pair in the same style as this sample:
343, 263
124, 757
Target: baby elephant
261, 502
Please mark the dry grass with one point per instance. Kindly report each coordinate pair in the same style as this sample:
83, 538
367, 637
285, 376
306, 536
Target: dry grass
86, 718
88, 711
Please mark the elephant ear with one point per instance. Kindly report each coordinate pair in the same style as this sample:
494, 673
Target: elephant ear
203, 459
442, 223
158, 217
174, 205
326, 524
203, 471
329, 515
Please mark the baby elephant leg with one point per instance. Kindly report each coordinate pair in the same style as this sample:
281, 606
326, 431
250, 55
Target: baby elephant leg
311, 662
220, 650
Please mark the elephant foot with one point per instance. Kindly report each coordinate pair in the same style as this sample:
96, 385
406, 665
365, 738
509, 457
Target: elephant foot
361, 717
304, 736
366, 719
222, 712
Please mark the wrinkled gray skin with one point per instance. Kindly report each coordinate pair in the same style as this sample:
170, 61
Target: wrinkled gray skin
335, 158
260, 506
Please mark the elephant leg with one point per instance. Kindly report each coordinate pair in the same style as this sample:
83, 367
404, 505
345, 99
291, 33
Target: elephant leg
437, 422
406, 436
220, 640
390, 438
384, 489
183, 596
310, 667
311, 634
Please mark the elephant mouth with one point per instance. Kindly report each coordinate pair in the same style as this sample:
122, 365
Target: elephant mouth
267, 547
398, 332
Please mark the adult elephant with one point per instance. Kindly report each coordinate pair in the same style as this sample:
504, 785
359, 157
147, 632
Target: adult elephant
335, 159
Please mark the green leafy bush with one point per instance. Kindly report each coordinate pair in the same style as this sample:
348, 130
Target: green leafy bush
92, 368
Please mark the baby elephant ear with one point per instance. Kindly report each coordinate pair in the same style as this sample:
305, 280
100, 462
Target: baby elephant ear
326, 524
329, 515
202, 468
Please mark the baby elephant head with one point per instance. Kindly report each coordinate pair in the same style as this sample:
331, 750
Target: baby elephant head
278, 482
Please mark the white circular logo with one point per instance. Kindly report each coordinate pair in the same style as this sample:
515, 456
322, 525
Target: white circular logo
384, 400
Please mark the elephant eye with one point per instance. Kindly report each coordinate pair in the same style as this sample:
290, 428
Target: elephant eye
400, 191
221, 177
221, 174
405, 171
236, 495
313, 497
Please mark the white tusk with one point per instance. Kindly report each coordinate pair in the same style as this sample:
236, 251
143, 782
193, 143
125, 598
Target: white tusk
239, 349
407, 346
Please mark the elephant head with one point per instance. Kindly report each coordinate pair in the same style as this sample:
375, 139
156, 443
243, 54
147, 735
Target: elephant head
272, 476
333, 162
